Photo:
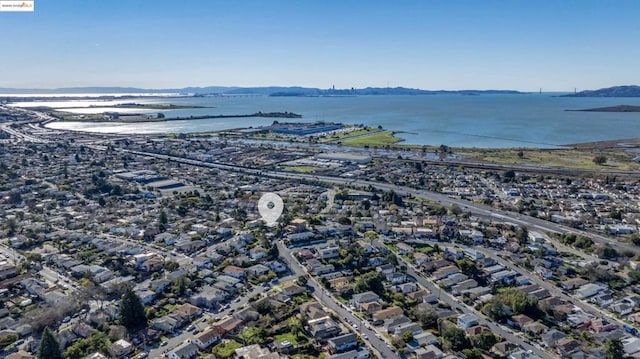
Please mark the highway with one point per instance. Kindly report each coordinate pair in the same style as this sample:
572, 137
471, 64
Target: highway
531, 223
474, 208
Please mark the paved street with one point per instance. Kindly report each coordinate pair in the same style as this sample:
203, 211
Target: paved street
475, 208
456, 303
379, 346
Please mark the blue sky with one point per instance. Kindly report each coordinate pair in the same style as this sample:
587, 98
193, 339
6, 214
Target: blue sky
428, 44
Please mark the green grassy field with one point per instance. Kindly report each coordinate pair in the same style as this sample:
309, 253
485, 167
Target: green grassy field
347, 135
563, 158
287, 336
375, 139
301, 169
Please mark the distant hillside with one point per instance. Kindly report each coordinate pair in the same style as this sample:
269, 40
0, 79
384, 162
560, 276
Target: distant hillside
267, 91
388, 91
616, 91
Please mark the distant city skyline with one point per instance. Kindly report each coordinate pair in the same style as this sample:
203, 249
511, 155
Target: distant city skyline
434, 45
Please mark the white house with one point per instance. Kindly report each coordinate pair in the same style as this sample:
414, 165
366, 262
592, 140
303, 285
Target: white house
467, 320
207, 338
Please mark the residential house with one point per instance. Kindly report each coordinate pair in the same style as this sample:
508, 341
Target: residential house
445, 272
276, 266
386, 269
520, 320
550, 338
407, 287
522, 354
342, 343
391, 324
429, 352
257, 253
599, 325
235, 272
292, 289
329, 252
208, 297
412, 327
165, 324
207, 338
573, 283
366, 297
184, 351
230, 325
467, 320
387, 313
589, 290
146, 296
426, 338
622, 308
436, 264
473, 254
567, 346
323, 328
396, 277
120, 348
248, 314
370, 307
535, 328
420, 258
352, 354
258, 270
404, 248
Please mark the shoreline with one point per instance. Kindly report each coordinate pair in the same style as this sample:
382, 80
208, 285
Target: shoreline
144, 118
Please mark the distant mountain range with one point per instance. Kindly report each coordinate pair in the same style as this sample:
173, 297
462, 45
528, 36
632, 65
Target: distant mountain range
270, 91
615, 91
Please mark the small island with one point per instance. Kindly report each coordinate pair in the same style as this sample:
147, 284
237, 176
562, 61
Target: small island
619, 108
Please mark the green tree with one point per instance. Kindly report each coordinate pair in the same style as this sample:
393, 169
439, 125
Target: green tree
484, 340
302, 280
614, 349
370, 281
428, 318
180, 285
600, 160
608, 252
49, 347
162, 220
407, 336
132, 314
455, 338
8, 339
171, 266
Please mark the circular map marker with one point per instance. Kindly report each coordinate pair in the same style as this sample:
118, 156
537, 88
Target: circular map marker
270, 207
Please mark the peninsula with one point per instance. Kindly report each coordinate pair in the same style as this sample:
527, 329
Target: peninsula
125, 117
618, 108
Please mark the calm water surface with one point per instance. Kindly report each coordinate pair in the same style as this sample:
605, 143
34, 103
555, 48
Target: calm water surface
535, 120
